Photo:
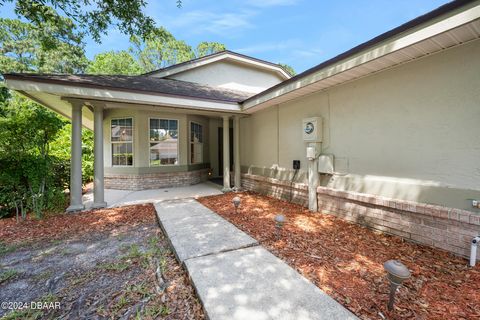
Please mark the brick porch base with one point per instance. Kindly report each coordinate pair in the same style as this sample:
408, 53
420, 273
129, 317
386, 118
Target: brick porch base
155, 180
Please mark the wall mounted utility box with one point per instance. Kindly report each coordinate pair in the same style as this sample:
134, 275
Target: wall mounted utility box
325, 164
296, 164
311, 153
312, 129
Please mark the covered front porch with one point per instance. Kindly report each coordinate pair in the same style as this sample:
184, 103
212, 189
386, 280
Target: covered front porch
152, 148
176, 134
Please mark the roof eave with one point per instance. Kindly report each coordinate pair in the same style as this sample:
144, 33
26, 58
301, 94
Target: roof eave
87, 92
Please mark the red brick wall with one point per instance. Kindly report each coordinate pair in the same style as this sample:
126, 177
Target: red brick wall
445, 228
155, 180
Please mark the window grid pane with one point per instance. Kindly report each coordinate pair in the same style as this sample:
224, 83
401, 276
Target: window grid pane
163, 142
122, 130
196, 143
122, 141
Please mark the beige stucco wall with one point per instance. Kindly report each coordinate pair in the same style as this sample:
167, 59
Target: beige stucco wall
231, 75
411, 132
141, 140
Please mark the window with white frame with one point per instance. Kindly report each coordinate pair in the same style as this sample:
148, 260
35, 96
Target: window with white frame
163, 142
121, 138
196, 143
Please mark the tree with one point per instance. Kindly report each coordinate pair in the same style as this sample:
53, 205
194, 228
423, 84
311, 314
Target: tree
161, 49
93, 16
288, 68
114, 62
24, 48
30, 177
205, 48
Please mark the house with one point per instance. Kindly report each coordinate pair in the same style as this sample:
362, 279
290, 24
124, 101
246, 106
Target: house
386, 134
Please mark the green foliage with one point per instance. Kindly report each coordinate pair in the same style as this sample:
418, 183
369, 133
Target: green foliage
205, 48
114, 62
288, 68
25, 48
5, 248
60, 149
161, 49
30, 177
96, 17
7, 275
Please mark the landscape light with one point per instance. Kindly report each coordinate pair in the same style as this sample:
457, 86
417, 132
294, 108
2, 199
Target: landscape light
236, 203
279, 222
397, 274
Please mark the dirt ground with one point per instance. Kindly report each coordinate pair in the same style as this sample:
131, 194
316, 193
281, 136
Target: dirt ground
105, 264
346, 261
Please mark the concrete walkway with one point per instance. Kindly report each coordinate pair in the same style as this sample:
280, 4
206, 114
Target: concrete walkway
117, 198
236, 278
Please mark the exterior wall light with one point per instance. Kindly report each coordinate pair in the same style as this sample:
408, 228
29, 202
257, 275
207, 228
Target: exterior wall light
279, 222
236, 203
397, 274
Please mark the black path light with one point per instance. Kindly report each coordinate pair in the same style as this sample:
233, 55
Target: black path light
236, 203
397, 274
279, 222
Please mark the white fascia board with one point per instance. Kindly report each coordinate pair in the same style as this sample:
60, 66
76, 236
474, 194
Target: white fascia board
202, 62
122, 96
399, 42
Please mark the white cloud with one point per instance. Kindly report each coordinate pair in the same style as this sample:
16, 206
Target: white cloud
219, 23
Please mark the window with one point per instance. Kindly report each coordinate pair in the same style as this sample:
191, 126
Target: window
196, 143
163, 142
122, 142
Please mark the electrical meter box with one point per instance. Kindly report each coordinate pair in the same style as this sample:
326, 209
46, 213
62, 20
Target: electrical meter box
312, 129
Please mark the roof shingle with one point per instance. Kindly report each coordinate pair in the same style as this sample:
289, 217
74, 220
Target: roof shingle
140, 83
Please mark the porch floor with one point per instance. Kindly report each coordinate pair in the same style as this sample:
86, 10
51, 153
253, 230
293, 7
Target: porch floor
117, 198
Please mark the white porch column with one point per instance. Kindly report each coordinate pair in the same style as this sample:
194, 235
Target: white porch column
98, 186
226, 154
76, 159
236, 151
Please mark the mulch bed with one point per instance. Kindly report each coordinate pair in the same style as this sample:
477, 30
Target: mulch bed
346, 261
60, 225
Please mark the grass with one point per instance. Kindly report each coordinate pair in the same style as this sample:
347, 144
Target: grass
43, 276
114, 266
154, 312
7, 275
5, 248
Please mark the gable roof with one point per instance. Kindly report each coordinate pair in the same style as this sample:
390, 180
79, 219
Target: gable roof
219, 56
137, 84
451, 24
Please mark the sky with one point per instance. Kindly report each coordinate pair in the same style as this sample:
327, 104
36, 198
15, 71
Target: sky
300, 33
